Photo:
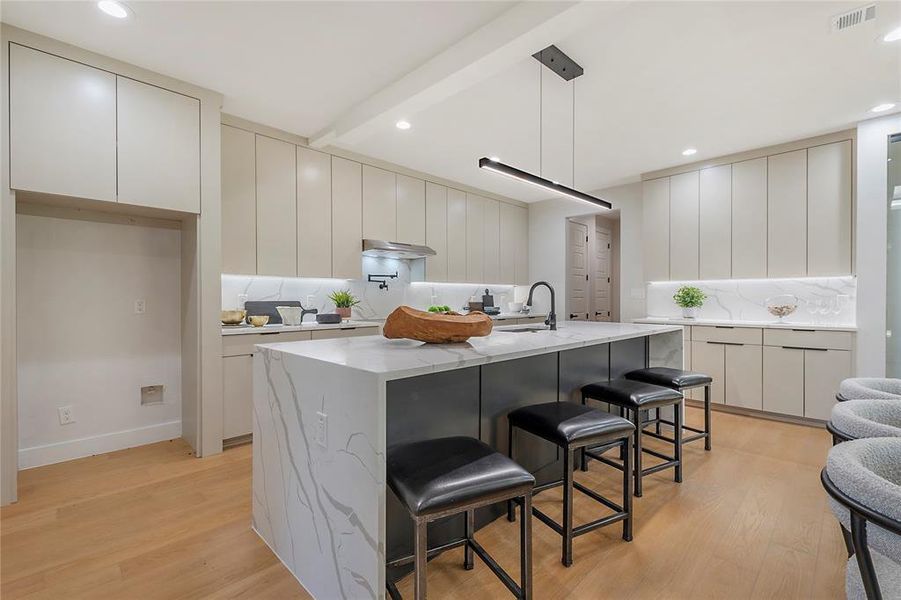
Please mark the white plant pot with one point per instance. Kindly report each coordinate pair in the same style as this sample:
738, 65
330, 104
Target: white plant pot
690, 313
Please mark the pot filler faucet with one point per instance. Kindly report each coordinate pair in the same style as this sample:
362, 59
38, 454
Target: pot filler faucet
551, 320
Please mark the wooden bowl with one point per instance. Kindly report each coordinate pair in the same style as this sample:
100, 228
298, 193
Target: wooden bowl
258, 320
435, 328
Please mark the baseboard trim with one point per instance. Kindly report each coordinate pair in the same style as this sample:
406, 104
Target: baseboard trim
38, 456
759, 414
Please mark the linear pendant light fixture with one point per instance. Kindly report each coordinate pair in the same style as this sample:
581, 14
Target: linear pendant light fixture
561, 64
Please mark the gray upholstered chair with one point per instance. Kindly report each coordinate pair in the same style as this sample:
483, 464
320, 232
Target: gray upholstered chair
863, 480
861, 388
865, 419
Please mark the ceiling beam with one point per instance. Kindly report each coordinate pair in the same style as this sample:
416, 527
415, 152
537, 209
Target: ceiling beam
515, 35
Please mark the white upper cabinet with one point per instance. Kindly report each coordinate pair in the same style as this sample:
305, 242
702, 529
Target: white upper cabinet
62, 133
410, 210
159, 147
715, 223
314, 213
436, 231
475, 243
683, 226
276, 207
379, 204
509, 224
456, 236
656, 234
491, 229
347, 221
522, 246
239, 220
829, 209
749, 215
787, 214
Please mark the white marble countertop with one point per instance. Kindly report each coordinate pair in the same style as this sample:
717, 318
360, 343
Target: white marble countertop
307, 326
732, 323
397, 359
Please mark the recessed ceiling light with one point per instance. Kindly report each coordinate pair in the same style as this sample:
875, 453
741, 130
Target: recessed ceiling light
404, 125
113, 8
893, 36
882, 107
689, 151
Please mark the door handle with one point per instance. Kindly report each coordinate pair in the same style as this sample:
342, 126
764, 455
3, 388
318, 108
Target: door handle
573, 315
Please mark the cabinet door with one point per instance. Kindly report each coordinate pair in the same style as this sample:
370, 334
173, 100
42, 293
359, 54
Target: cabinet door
655, 229
787, 214
456, 236
491, 230
521, 261
783, 380
436, 231
237, 396
347, 219
683, 226
507, 243
749, 208
276, 207
379, 204
829, 209
239, 201
710, 358
744, 376
159, 147
62, 126
715, 223
475, 243
410, 210
314, 213
824, 370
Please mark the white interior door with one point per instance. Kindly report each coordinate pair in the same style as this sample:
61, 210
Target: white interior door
577, 271
602, 301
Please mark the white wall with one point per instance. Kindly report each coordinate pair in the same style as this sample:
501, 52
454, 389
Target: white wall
547, 247
80, 342
871, 243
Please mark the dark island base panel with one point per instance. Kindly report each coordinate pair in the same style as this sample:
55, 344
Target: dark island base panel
475, 401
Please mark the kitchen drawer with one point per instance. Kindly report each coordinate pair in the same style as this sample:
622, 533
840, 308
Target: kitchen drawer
328, 334
237, 345
808, 338
531, 321
726, 335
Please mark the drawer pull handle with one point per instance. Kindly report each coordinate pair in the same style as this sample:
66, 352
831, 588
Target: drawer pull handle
804, 348
726, 343
724, 326
269, 333
805, 330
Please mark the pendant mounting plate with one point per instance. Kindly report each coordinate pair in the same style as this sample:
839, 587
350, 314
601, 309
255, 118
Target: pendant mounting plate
557, 61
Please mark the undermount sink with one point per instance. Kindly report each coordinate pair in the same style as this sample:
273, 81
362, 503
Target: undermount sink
525, 329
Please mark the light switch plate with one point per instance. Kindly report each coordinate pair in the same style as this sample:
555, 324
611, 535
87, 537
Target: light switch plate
151, 394
322, 429
140, 307
66, 415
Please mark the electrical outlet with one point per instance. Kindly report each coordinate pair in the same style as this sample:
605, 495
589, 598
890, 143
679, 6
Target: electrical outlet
310, 300
322, 429
140, 307
66, 415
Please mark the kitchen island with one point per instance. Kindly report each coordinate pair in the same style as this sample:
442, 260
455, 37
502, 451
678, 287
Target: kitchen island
325, 411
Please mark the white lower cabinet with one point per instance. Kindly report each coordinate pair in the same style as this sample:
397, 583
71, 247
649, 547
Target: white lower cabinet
783, 380
710, 358
237, 395
823, 372
744, 376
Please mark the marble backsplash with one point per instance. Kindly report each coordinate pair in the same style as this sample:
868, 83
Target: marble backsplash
822, 300
375, 303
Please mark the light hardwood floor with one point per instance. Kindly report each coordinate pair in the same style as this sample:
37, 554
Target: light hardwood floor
749, 521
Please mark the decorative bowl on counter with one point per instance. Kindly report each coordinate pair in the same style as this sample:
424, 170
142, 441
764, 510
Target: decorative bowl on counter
291, 315
514, 307
432, 328
258, 320
782, 305
328, 318
232, 317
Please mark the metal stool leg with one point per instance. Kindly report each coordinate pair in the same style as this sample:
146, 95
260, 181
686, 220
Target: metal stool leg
636, 420
511, 507
567, 507
677, 444
420, 559
707, 416
621, 455
627, 487
657, 424
467, 548
525, 548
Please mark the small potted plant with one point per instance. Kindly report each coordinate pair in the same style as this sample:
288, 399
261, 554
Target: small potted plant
344, 302
690, 298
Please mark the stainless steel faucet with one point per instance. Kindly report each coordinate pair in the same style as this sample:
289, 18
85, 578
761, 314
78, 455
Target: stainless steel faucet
551, 320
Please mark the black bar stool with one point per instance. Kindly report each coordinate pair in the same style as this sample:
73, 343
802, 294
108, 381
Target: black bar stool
573, 427
636, 397
447, 476
680, 381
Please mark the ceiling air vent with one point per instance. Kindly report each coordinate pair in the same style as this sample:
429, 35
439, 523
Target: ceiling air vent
855, 17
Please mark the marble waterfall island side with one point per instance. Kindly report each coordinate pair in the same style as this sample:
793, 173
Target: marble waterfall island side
326, 410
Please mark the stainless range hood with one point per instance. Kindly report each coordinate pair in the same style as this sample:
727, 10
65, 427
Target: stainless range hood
383, 249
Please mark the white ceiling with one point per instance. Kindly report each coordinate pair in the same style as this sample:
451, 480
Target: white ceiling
720, 76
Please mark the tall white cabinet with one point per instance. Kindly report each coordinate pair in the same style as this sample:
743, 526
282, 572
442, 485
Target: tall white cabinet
683, 228
656, 229
347, 218
749, 218
787, 214
715, 223
276, 165
475, 243
314, 213
239, 219
379, 204
436, 231
410, 210
829, 209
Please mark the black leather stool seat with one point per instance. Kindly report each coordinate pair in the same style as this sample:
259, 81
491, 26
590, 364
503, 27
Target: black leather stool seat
632, 394
438, 475
671, 378
569, 423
